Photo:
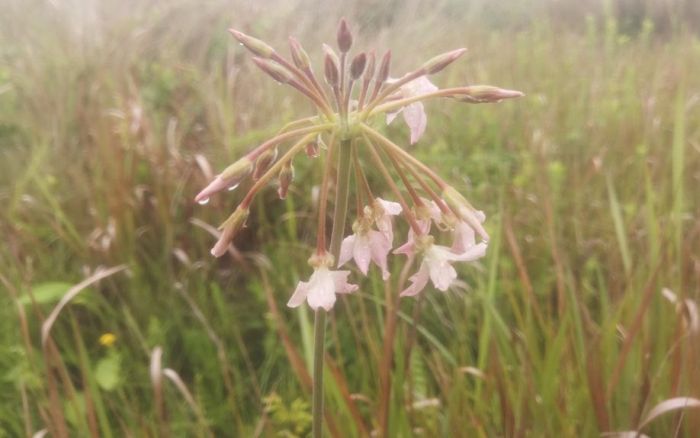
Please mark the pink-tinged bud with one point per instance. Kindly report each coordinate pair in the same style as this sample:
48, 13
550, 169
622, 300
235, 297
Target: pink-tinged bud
276, 71
312, 149
384, 67
299, 56
264, 162
228, 179
439, 62
357, 66
258, 47
487, 94
465, 210
344, 36
369, 70
229, 229
330, 71
286, 177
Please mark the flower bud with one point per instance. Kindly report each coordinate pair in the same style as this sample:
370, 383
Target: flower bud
263, 162
228, 179
276, 71
383, 73
330, 71
439, 62
258, 47
285, 178
465, 210
487, 94
299, 56
344, 36
228, 229
357, 66
312, 149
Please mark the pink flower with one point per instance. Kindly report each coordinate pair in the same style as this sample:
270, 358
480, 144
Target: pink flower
436, 266
321, 288
414, 113
464, 237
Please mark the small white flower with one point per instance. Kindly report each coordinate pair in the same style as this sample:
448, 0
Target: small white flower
321, 288
436, 266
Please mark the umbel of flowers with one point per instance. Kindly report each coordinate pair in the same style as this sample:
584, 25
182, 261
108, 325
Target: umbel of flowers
343, 136
357, 93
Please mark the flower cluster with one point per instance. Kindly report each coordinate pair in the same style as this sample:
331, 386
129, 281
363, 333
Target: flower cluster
344, 131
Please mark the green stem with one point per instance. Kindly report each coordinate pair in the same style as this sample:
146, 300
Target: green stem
339, 214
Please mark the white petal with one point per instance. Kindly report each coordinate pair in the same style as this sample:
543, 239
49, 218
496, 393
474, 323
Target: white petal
418, 281
321, 290
380, 247
415, 118
442, 274
346, 249
421, 85
391, 116
299, 295
475, 252
389, 207
340, 279
361, 253
463, 237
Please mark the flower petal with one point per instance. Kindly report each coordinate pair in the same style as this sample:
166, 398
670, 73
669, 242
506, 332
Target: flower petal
389, 207
418, 281
464, 237
340, 279
299, 295
380, 247
321, 289
346, 249
415, 118
361, 253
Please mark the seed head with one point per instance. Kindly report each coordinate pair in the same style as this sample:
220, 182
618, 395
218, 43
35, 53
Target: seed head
285, 178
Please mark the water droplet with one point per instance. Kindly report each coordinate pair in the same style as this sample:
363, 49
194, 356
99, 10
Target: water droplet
240, 44
203, 201
233, 187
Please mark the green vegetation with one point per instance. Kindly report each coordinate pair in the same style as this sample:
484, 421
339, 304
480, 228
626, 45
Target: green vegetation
113, 116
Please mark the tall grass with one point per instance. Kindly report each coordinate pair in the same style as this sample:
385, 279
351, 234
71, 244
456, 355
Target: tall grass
113, 115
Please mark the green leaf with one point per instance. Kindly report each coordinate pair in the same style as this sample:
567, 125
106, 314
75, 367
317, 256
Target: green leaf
46, 293
108, 372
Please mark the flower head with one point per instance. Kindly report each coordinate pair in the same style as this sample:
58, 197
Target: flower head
436, 265
321, 288
414, 113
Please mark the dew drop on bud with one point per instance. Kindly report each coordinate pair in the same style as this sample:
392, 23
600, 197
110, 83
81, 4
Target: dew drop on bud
203, 201
233, 187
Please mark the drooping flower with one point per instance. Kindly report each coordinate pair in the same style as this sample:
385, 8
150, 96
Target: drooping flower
436, 265
321, 288
414, 113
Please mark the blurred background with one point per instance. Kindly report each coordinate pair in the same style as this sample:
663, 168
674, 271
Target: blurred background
580, 321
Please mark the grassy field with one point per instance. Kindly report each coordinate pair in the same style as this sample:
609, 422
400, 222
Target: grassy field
581, 319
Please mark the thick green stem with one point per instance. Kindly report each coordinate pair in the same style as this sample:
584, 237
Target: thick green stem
339, 214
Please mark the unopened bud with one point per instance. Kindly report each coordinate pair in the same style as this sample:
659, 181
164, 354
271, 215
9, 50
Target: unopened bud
383, 73
344, 36
299, 56
357, 66
276, 71
487, 94
286, 177
263, 162
228, 179
258, 47
312, 149
330, 71
229, 229
439, 62
464, 210
369, 70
